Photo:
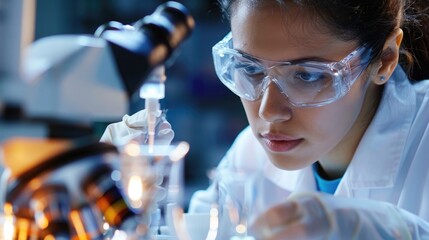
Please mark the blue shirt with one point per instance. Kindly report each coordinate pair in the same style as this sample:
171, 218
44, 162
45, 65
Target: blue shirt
324, 185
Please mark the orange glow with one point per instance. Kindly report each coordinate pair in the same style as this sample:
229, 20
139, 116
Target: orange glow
8, 209
22, 154
49, 237
78, 225
23, 227
43, 222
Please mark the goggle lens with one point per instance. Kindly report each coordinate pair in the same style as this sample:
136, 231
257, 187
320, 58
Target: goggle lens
305, 84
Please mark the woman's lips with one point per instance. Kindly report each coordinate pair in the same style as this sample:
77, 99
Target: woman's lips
277, 143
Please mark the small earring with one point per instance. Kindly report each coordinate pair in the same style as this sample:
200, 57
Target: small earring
382, 78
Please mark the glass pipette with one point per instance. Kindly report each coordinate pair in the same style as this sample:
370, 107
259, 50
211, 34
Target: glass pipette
153, 90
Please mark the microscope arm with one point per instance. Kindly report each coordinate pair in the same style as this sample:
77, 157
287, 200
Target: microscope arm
74, 78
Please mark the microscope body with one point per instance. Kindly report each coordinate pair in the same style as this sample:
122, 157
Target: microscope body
73, 78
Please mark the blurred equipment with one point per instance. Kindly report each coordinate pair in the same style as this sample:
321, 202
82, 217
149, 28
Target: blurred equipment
59, 182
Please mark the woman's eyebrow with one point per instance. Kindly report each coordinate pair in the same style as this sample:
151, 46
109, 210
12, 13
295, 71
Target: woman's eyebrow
304, 59
312, 59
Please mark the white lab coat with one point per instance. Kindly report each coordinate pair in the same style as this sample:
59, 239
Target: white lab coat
391, 163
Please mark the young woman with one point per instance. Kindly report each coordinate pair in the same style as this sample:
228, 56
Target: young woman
331, 111
337, 107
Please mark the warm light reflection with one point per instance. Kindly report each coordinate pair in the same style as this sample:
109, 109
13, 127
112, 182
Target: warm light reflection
8, 209
132, 149
106, 226
214, 223
180, 151
8, 222
23, 229
119, 235
179, 223
78, 225
135, 188
241, 228
233, 212
158, 53
49, 237
8, 228
43, 222
41, 219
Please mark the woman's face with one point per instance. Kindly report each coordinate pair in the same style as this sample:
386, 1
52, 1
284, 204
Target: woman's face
297, 137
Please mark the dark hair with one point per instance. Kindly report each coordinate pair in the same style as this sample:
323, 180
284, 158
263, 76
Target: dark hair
370, 22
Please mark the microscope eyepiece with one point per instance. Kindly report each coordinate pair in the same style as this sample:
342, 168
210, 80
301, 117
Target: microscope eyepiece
148, 43
112, 25
172, 19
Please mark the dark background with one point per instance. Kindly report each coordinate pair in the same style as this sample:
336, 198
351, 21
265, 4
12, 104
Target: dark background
201, 110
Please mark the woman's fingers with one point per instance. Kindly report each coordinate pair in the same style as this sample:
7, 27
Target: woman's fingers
275, 219
302, 217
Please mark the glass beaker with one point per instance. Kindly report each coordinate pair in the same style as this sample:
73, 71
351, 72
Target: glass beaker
152, 181
243, 198
235, 193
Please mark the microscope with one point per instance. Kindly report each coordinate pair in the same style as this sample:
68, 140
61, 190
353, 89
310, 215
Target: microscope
59, 180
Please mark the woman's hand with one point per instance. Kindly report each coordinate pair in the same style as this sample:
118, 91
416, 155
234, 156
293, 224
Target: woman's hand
320, 216
134, 127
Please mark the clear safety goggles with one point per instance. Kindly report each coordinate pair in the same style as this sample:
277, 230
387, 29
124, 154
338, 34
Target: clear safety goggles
304, 83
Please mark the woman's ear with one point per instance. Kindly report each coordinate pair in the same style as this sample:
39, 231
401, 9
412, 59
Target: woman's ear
389, 57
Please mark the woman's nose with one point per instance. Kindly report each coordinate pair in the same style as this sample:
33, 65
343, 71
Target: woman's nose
274, 106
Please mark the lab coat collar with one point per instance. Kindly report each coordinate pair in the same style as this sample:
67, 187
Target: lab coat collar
293, 181
377, 159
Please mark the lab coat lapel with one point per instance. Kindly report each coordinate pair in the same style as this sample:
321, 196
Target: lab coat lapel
296, 180
377, 159
306, 181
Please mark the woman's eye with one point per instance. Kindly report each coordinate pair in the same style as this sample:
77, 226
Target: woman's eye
249, 69
309, 76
